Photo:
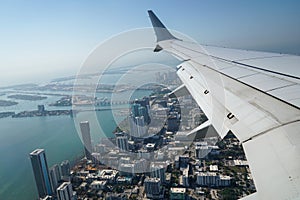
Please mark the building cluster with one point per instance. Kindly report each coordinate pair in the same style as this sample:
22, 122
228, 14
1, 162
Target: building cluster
158, 157
167, 78
139, 117
151, 126
53, 183
188, 177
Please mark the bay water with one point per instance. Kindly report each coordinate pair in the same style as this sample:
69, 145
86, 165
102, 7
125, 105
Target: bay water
56, 134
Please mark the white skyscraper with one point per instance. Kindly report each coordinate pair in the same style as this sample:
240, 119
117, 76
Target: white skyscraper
86, 137
65, 192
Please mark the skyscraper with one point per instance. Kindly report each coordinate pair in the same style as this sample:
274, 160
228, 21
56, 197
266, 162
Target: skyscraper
133, 126
135, 109
65, 192
141, 128
86, 137
65, 169
158, 171
143, 112
122, 143
55, 176
41, 174
152, 187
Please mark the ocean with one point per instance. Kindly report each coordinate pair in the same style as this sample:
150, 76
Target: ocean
56, 134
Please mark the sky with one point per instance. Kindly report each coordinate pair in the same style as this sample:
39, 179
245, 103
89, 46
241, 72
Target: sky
42, 40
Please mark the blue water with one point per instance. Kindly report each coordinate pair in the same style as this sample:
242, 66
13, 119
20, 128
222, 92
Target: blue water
19, 137
57, 135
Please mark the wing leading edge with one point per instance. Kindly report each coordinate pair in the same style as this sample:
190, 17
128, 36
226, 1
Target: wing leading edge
240, 91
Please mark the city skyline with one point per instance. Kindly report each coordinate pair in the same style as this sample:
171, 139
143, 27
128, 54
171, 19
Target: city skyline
134, 123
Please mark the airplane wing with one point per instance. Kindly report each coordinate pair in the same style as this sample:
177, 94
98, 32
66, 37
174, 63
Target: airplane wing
254, 94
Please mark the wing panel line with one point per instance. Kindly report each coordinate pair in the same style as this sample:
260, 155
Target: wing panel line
243, 64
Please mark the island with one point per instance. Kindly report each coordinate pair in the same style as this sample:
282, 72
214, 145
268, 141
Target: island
6, 114
27, 97
41, 111
7, 103
64, 101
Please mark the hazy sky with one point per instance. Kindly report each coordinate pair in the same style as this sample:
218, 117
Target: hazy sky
41, 40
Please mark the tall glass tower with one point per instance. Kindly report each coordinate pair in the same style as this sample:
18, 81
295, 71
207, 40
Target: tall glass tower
41, 173
86, 137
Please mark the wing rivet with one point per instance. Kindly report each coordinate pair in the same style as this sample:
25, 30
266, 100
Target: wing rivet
230, 116
206, 92
191, 77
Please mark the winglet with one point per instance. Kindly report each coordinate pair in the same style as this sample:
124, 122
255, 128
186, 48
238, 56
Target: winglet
161, 31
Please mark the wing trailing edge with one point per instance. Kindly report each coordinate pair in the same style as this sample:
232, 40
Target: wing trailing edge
179, 92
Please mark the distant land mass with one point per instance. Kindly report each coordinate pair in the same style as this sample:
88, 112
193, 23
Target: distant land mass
7, 103
27, 97
20, 86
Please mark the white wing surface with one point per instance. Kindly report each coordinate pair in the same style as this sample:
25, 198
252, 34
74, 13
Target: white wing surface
254, 94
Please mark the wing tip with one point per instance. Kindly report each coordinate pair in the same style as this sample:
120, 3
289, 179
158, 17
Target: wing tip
161, 32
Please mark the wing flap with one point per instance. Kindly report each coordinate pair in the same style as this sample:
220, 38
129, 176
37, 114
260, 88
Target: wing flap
275, 162
254, 111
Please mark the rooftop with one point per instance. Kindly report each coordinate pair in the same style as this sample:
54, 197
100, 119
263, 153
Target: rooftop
148, 179
37, 152
107, 174
63, 185
213, 168
178, 190
98, 183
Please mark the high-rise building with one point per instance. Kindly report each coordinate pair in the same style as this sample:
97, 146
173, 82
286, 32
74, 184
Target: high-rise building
55, 176
184, 161
152, 187
141, 128
140, 165
207, 178
65, 192
184, 178
133, 126
135, 109
143, 102
143, 112
158, 171
173, 122
122, 143
86, 137
65, 168
40, 171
